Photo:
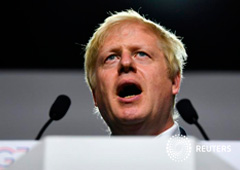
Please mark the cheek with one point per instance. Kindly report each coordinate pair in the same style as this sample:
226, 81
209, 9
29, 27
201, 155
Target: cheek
159, 81
104, 83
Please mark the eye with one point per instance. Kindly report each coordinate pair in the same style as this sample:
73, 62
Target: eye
142, 54
111, 57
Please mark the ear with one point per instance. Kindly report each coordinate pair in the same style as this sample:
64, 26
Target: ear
176, 84
94, 97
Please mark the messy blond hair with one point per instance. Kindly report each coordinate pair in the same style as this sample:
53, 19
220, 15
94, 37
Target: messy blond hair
172, 46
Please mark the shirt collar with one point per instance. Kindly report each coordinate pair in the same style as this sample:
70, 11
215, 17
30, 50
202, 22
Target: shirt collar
173, 130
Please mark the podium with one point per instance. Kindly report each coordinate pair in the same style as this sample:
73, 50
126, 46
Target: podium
119, 153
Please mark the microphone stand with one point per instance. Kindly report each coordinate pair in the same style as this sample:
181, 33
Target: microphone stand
201, 130
43, 129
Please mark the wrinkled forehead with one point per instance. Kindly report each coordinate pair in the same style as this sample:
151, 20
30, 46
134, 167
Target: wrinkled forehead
126, 29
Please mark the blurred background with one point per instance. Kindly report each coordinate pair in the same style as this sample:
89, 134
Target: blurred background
42, 57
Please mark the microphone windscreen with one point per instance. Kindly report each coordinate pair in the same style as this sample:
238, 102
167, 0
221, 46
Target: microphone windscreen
60, 107
186, 110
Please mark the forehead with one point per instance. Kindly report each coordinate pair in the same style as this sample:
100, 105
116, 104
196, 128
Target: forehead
134, 31
126, 28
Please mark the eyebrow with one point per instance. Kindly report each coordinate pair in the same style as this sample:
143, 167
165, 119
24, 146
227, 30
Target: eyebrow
118, 48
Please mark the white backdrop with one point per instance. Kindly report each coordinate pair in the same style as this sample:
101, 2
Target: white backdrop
26, 97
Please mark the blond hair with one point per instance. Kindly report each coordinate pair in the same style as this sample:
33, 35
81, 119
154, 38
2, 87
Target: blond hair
173, 48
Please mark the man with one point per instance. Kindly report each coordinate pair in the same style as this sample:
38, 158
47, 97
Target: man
134, 67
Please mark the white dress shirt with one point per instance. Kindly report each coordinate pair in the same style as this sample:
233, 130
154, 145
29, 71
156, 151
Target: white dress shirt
174, 130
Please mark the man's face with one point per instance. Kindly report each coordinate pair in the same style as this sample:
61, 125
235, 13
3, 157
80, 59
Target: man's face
133, 91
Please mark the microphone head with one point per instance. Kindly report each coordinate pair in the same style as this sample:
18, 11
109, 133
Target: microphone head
186, 110
60, 107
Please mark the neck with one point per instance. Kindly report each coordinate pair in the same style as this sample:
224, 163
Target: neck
142, 128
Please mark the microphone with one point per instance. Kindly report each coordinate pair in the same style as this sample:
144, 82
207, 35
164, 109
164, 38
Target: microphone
57, 111
189, 114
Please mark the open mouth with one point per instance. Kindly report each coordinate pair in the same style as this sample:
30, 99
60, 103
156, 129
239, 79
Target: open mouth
128, 90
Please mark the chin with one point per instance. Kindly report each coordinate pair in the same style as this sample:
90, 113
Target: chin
131, 117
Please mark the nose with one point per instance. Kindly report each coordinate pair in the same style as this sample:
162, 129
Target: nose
126, 64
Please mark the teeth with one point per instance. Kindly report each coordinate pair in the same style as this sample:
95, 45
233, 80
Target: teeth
129, 96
